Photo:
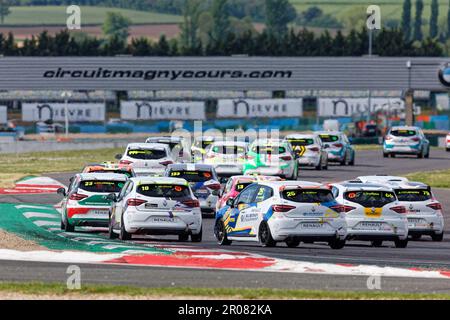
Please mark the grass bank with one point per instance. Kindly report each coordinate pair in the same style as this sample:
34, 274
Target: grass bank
112, 292
436, 179
17, 166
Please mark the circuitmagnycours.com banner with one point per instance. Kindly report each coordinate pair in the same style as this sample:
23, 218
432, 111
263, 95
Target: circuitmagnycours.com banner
162, 110
260, 108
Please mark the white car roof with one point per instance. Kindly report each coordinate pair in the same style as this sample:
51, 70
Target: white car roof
405, 128
354, 186
302, 136
301, 184
230, 143
408, 185
382, 179
159, 180
147, 146
103, 176
270, 141
333, 133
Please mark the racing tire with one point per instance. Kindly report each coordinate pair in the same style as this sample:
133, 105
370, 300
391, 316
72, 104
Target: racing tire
385, 155
344, 161
392, 155
124, 235
292, 243
437, 237
183, 237
221, 234
111, 234
401, 243
337, 244
420, 155
265, 236
447, 149
197, 237
377, 243
427, 156
319, 166
67, 227
352, 163
326, 166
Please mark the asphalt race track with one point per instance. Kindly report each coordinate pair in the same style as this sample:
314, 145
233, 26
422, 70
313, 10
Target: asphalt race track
421, 254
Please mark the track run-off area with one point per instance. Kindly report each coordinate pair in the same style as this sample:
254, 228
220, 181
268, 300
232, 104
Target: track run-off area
424, 266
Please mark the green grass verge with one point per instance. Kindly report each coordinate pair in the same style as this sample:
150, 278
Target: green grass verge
56, 15
235, 293
17, 166
436, 179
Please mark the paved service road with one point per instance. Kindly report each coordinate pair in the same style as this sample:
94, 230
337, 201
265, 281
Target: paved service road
424, 253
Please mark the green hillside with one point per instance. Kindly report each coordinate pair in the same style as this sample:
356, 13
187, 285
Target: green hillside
56, 15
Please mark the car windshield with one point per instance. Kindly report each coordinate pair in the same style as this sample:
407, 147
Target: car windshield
146, 154
192, 176
99, 186
228, 150
329, 138
301, 142
370, 199
163, 191
404, 133
268, 149
308, 196
413, 195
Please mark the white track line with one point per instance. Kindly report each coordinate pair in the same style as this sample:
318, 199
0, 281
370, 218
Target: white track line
40, 215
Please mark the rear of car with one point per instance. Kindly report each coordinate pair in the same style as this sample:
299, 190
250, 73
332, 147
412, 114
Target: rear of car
309, 150
424, 211
162, 206
147, 159
86, 202
111, 168
203, 181
406, 141
447, 144
373, 213
307, 213
227, 157
178, 146
271, 158
338, 147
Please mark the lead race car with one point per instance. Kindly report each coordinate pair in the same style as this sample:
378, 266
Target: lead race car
155, 206
282, 211
85, 203
373, 212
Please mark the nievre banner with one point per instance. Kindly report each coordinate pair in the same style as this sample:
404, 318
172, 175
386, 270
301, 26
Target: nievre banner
260, 108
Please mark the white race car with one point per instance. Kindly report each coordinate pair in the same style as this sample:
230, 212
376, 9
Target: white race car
227, 157
373, 213
310, 150
406, 141
381, 179
86, 203
147, 159
156, 206
423, 211
284, 211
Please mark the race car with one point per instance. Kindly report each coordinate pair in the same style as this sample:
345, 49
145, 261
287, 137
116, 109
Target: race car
406, 141
156, 206
309, 149
147, 158
227, 157
338, 147
203, 180
423, 210
447, 146
284, 211
178, 146
108, 167
373, 213
86, 202
238, 183
270, 157
198, 149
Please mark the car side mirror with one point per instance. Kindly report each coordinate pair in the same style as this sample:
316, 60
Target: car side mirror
230, 202
112, 197
118, 156
62, 191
